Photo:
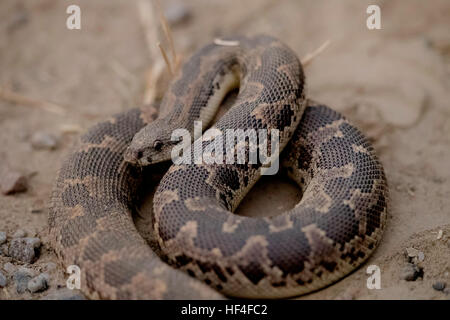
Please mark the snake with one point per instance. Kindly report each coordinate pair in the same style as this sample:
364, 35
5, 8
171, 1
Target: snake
201, 249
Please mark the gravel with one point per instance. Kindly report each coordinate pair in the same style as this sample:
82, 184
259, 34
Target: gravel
21, 278
439, 286
24, 249
2, 237
43, 140
39, 283
411, 272
3, 281
64, 294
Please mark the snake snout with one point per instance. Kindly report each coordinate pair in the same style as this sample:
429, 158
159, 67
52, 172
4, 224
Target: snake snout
132, 155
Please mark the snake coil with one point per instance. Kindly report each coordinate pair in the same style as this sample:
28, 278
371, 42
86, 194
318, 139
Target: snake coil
332, 230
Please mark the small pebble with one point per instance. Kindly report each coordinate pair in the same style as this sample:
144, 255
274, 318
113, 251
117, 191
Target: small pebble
39, 283
38, 206
2, 237
64, 294
411, 272
349, 294
411, 252
49, 266
177, 13
439, 286
31, 234
421, 256
447, 291
3, 281
12, 182
21, 278
9, 267
43, 140
24, 249
20, 233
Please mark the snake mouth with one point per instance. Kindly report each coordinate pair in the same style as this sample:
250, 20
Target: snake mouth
141, 158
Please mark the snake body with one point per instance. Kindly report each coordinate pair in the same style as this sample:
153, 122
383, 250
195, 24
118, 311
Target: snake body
332, 230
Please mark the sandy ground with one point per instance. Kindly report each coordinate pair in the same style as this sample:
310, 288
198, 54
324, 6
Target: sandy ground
393, 83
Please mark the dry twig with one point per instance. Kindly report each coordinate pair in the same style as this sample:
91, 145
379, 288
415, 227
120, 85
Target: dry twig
155, 79
166, 59
167, 31
312, 55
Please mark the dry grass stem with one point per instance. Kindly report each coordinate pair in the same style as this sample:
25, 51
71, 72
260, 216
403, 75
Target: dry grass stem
146, 15
312, 55
167, 31
166, 59
156, 79
155, 72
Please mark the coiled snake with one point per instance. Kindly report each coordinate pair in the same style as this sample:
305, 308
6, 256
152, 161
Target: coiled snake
333, 229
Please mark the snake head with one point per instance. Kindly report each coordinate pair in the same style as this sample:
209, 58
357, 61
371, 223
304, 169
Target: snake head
152, 144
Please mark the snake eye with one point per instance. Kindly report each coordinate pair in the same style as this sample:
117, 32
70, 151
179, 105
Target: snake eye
158, 145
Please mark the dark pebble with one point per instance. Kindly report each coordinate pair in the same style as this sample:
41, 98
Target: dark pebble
439, 286
411, 272
24, 249
39, 283
12, 182
21, 278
